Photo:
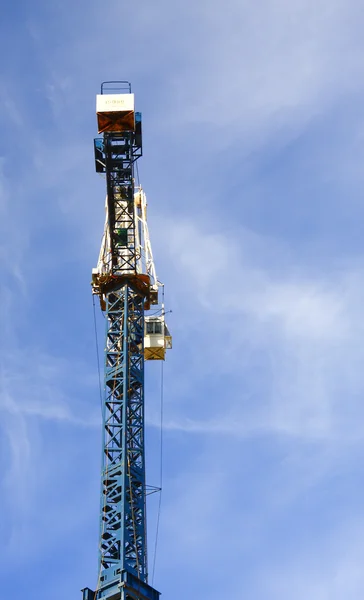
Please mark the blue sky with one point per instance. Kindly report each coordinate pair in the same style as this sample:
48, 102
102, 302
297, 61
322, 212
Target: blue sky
253, 160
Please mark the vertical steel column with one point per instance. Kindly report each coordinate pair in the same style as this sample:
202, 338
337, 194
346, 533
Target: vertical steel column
122, 528
123, 547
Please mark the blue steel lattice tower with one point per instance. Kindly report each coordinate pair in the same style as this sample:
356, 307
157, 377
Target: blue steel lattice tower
126, 283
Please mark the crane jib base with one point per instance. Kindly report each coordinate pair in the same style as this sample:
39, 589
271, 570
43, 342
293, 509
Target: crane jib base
128, 587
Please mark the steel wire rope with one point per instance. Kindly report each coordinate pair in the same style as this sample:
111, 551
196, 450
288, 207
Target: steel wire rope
132, 516
101, 406
106, 470
160, 455
107, 454
104, 505
128, 461
160, 471
131, 495
97, 350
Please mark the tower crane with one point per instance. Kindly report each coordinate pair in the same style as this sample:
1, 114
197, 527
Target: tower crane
126, 283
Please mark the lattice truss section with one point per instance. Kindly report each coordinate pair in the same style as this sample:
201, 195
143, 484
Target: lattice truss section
118, 153
123, 528
141, 245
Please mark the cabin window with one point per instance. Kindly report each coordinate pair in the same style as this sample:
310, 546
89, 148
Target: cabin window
154, 328
150, 328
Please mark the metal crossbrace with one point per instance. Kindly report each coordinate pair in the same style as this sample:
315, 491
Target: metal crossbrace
123, 480
123, 571
120, 155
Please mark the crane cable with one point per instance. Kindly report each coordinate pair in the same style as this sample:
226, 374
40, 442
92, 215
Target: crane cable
160, 471
128, 460
131, 496
97, 349
132, 517
106, 461
130, 486
105, 495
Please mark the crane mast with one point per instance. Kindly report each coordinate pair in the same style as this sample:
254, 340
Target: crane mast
125, 281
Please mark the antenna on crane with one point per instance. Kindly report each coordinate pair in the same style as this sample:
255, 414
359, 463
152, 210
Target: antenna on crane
126, 282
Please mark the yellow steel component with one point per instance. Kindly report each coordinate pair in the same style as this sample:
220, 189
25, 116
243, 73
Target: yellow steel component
102, 284
154, 353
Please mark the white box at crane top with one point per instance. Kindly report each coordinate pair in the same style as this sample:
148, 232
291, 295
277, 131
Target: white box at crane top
114, 102
115, 112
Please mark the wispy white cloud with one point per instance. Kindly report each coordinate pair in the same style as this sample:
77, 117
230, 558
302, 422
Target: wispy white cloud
267, 353
32, 385
43, 424
246, 72
305, 328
